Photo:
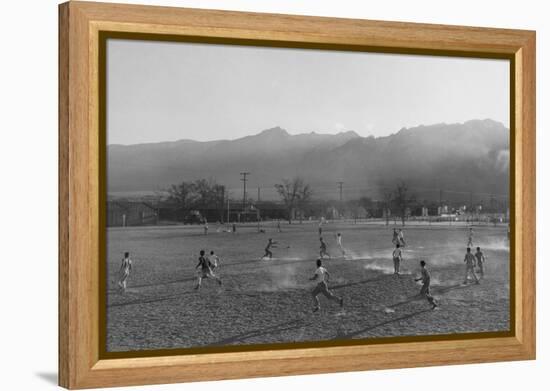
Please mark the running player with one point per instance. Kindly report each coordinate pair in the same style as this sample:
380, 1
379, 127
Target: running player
214, 260
270, 244
425, 290
323, 249
205, 227
397, 258
320, 227
401, 238
323, 276
206, 270
470, 261
470, 238
339, 242
124, 271
480, 261
395, 239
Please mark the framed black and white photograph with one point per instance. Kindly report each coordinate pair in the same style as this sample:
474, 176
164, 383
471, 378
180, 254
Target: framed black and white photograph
266, 195
243, 196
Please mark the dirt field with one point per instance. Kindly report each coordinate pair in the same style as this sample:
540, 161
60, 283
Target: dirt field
264, 301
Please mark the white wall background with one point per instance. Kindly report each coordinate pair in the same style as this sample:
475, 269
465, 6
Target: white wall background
28, 156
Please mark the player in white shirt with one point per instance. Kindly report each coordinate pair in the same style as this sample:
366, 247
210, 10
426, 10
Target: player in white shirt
339, 242
395, 238
124, 271
322, 276
470, 238
401, 238
397, 258
214, 260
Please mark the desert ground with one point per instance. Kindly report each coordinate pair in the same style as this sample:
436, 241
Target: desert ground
269, 301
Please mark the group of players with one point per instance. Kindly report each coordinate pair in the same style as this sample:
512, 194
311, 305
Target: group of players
471, 260
208, 264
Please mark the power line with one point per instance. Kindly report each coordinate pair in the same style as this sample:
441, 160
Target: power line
327, 188
439, 194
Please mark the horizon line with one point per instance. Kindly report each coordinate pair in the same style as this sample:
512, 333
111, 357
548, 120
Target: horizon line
310, 133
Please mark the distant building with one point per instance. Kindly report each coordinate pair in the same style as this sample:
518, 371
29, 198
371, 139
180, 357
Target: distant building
271, 210
227, 212
130, 213
442, 210
433, 210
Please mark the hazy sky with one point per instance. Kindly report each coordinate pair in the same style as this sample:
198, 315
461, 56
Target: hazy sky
159, 91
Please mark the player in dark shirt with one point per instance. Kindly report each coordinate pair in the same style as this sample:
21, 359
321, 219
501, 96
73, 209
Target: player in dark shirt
323, 249
205, 271
270, 244
425, 290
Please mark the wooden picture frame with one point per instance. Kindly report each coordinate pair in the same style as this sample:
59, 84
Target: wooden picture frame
81, 24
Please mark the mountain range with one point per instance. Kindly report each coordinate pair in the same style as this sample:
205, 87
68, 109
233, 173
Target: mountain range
465, 157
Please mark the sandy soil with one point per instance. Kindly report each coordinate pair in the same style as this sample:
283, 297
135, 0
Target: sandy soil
264, 301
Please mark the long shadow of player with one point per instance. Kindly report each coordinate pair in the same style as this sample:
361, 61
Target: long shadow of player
148, 301
156, 284
342, 335
444, 289
275, 329
340, 286
275, 262
439, 290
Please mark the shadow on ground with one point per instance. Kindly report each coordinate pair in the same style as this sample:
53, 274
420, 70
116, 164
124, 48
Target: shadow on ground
275, 329
372, 327
48, 377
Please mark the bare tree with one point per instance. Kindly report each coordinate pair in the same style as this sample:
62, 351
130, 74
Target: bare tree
402, 200
294, 193
366, 203
201, 194
388, 196
208, 193
304, 197
183, 195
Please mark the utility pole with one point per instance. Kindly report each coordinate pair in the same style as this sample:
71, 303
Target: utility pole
340, 207
244, 179
222, 201
227, 207
340, 184
258, 193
